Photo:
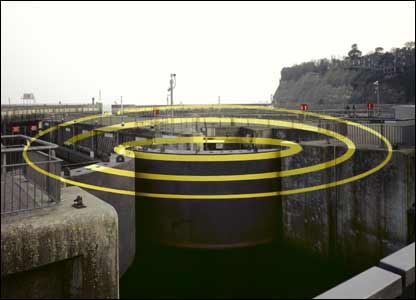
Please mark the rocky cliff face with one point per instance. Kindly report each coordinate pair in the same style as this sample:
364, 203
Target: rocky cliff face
312, 87
339, 83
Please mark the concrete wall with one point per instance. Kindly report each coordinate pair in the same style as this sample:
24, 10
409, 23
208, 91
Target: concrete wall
394, 278
61, 252
361, 221
207, 223
72, 156
123, 204
307, 217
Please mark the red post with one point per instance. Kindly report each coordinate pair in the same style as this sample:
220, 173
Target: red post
370, 105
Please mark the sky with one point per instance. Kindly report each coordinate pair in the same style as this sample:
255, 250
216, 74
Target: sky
68, 51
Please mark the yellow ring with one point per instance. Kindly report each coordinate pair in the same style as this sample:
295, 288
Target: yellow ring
121, 149
294, 148
233, 196
218, 157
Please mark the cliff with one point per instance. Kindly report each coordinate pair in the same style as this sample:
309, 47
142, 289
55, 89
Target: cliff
351, 80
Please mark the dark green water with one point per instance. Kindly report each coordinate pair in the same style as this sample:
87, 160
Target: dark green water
267, 271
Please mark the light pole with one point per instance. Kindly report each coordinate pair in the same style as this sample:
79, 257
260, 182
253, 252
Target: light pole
172, 83
377, 89
172, 86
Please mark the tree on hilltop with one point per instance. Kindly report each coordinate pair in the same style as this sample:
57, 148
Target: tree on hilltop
379, 50
354, 52
410, 44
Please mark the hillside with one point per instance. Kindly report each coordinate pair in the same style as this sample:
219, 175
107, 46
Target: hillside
351, 80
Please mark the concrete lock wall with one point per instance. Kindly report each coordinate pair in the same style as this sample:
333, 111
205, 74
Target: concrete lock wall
61, 252
361, 221
207, 223
123, 204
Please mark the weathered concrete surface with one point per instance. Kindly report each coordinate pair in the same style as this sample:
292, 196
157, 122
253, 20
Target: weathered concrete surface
361, 221
402, 263
207, 223
305, 216
61, 252
381, 282
375, 283
123, 204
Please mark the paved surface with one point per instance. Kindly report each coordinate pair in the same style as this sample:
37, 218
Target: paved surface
375, 283
402, 262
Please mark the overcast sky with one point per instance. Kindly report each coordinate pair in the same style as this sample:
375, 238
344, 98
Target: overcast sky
69, 51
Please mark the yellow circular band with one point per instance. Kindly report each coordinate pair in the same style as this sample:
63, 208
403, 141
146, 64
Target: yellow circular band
227, 196
121, 149
293, 148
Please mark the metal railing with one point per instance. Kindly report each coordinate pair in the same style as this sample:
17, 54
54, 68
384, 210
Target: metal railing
400, 133
22, 187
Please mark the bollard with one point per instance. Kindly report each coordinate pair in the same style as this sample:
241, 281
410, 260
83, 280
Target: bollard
78, 203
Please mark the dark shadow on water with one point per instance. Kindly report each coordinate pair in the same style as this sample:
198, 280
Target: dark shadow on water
268, 271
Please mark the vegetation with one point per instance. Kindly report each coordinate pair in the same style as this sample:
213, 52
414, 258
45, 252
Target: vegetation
350, 80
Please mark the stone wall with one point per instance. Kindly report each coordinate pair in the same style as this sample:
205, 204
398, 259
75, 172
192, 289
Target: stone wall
361, 221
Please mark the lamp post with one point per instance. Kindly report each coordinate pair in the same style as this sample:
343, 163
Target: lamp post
172, 86
172, 83
377, 90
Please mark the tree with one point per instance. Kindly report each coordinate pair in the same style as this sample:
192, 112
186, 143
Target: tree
379, 50
394, 50
354, 52
322, 66
410, 44
387, 58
